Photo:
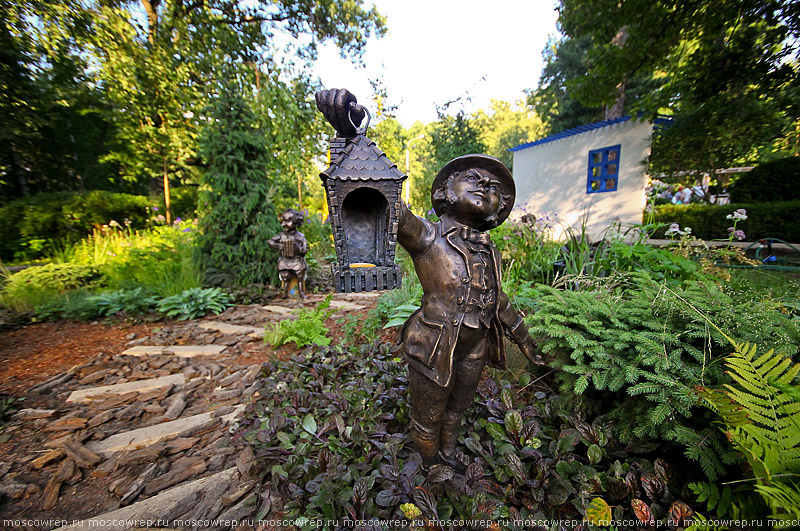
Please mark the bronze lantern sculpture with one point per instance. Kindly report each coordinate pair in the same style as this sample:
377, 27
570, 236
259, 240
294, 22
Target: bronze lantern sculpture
459, 328
363, 190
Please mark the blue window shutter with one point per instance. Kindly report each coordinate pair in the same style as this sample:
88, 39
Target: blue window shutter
603, 173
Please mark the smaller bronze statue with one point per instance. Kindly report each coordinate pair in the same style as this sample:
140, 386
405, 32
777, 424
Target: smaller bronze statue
293, 247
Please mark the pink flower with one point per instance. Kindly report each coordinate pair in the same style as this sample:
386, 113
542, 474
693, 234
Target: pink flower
737, 233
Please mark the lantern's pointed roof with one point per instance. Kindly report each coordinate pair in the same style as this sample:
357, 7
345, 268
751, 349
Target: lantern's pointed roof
361, 159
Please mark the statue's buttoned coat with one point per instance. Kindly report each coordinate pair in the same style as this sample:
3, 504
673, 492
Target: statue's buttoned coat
442, 262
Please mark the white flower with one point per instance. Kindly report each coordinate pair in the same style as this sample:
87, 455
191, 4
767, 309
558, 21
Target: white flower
676, 229
739, 215
113, 223
188, 115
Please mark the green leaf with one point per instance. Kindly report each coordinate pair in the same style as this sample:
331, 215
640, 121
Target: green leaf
310, 424
387, 498
513, 423
565, 444
598, 513
564, 469
396, 321
278, 471
496, 431
595, 454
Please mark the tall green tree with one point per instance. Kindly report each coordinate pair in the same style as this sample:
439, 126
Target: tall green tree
451, 136
564, 61
159, 58
506, 125
51, 125
293, 129
235, 201
726, 71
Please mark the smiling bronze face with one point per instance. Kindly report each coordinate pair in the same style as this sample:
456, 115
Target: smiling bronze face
477, 196
482, 187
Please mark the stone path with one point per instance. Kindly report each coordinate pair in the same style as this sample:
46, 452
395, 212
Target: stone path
154, 425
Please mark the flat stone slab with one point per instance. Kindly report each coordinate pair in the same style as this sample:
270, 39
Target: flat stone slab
136, 515
227, 328
182, 351
140, 386
283, 310
344, 305
138, 438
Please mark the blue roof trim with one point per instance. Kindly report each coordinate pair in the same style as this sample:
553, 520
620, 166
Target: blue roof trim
571, 132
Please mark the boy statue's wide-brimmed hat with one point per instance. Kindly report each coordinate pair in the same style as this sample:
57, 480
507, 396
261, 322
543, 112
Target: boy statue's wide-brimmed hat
483, 162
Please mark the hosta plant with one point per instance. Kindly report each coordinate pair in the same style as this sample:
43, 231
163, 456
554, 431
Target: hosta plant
195, 302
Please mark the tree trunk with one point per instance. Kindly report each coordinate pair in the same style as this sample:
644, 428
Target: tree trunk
166, 191
151, 8
617, 109
17, 172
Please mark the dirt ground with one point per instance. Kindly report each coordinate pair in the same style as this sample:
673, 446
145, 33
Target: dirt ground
35, 353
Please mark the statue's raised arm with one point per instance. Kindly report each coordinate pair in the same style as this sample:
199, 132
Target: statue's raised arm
340, 107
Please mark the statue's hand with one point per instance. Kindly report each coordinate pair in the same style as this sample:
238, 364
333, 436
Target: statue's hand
340, 109
529, 348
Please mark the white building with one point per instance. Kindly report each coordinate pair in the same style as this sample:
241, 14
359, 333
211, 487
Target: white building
593, 172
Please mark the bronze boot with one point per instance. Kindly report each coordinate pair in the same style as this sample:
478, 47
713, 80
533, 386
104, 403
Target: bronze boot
426, 441
450, 453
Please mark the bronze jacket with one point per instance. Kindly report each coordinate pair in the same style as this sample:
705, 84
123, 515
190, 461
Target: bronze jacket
441, 260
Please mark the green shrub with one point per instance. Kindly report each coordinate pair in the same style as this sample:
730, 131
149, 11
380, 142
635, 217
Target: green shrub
132, 302
769, 181
761, 415
35, 286
764, 220
88, 210
76, 305
235, 207
195, 302
183, 202
307, 329
528, 252
161, 260
638, 351
321, 251
84, 305
359, 329
34, 226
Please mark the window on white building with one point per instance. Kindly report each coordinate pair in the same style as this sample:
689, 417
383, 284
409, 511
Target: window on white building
603, 170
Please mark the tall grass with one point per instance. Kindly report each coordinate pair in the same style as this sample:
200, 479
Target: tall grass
161, 259
529, 253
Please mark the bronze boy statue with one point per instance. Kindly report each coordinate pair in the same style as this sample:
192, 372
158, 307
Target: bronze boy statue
293, 247
459, 328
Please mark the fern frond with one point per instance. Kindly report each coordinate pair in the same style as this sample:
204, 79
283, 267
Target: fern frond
782, 498
720, 403
770, 439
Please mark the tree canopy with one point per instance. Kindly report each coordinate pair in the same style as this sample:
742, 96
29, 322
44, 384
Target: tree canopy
128, 80
726, 72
